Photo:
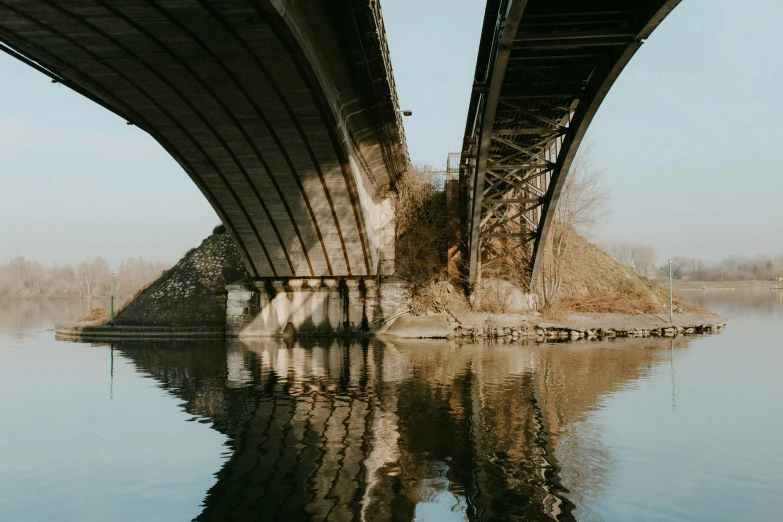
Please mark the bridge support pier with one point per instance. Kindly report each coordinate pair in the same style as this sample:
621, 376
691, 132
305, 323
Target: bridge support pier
314, 307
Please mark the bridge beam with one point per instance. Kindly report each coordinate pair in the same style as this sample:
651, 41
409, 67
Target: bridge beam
509, 15
543, 70
283, 113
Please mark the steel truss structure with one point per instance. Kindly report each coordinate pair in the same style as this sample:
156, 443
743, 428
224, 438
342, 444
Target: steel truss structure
543, 69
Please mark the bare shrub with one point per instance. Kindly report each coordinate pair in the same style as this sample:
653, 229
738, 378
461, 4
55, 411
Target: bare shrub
581, 206
489, 327
438, 295
495, 301
619, 250
97, 315
640, 256
503, 259
643, 257
422, 231
498, 296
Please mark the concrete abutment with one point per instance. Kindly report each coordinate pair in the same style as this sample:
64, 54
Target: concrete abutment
317, 307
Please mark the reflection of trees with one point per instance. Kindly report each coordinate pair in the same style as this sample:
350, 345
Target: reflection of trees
750, 301
484, 420
372, 431
574, 381
21, 317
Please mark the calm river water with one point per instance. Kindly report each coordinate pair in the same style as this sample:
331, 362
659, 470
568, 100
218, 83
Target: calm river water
429, 431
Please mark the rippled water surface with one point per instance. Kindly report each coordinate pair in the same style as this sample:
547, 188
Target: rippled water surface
430, 431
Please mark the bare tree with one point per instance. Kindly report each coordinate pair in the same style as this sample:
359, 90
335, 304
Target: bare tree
422, 228
643, 258
21, 278
620, 251
85, 274
581, 206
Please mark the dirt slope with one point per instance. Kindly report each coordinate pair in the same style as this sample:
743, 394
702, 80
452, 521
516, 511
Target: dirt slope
593, 282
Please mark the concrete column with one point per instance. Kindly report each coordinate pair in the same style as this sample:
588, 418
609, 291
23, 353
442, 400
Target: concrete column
395, 296
242, 307
372, 302
317, 299
280, 306
334, 303
313, 306
388, 238
265, 316
355, 306
297, 299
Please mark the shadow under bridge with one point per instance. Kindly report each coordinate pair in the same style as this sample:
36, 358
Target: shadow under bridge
283, 113
543, 70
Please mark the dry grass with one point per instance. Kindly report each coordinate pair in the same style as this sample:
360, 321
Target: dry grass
624, 301
587, 279
97, 315
593, 282
494, 303
504, 260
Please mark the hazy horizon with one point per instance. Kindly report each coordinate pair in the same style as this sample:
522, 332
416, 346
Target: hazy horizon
683, 139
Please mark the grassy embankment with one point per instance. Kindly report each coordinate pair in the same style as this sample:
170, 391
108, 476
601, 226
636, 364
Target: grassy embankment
593, 282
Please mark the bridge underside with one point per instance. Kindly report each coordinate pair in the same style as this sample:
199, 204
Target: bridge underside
543, 70
282, 112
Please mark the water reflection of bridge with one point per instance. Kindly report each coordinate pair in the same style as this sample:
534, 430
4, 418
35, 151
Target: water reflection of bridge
373, 431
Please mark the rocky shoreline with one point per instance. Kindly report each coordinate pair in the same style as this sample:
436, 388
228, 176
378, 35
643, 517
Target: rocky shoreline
556, 333
506, 328
517, 327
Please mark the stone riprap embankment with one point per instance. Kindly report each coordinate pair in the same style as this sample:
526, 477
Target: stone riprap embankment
516, 327
193, 292
542, 333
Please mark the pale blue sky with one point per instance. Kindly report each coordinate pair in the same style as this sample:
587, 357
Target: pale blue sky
687, 141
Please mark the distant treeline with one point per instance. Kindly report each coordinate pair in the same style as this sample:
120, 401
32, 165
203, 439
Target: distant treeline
22, 278
732, 268
641, 257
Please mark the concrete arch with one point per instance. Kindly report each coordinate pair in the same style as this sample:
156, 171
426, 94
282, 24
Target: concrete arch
248, 96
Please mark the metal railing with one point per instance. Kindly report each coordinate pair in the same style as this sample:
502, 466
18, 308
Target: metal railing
439, 178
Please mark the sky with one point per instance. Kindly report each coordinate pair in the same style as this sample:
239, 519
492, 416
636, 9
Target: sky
686, 142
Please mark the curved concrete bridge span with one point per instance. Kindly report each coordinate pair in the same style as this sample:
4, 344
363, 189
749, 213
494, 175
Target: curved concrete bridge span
543, 69
283, 112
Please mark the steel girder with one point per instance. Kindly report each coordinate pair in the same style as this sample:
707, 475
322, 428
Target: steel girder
543, 69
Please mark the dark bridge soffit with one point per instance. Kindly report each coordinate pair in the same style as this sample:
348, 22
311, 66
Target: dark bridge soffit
234, 92
543, 69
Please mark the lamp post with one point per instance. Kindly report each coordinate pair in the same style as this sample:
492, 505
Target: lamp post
111, 298
671, 299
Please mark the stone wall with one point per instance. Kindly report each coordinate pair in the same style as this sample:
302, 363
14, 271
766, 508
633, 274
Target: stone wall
193, 292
